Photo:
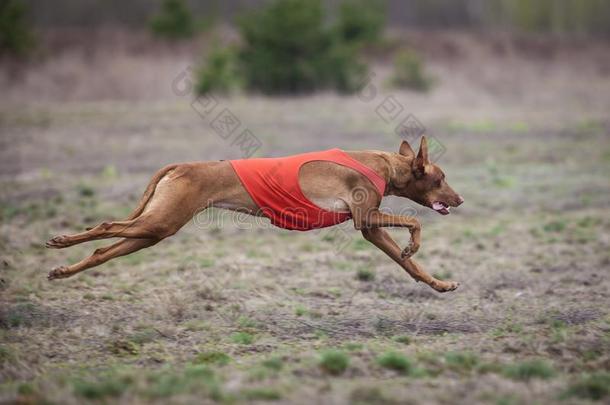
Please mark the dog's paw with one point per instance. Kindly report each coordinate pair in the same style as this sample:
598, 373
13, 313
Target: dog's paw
58, 272
58, 242
445, 286
409, 251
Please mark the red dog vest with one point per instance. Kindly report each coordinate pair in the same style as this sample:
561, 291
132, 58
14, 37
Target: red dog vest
273, 184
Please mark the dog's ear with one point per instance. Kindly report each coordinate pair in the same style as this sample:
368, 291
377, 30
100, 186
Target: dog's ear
421, 161
405, 149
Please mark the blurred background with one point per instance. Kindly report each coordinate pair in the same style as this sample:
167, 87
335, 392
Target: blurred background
95, 96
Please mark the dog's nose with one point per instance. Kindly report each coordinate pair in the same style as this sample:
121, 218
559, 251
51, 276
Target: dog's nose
460, 200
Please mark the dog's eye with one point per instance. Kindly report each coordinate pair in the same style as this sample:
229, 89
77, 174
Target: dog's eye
439, 182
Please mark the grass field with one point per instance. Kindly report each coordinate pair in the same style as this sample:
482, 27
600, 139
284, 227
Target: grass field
224, 313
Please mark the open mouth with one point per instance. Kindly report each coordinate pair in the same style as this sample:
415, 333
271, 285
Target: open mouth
440, 207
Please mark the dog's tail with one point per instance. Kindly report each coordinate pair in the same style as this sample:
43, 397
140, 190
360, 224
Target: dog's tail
150, 190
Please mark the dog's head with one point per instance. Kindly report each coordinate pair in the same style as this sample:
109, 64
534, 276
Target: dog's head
427, 185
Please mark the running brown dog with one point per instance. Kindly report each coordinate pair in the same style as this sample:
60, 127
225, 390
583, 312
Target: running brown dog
347, 186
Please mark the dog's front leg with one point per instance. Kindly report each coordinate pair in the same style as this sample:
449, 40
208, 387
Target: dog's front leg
378, 219
380, 238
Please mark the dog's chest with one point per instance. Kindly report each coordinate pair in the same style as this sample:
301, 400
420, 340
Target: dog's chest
330, 204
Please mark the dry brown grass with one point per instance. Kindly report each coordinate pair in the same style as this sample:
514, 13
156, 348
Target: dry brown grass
530, 246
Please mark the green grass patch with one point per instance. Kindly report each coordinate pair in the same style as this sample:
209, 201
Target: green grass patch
300, 310
18, 315
85, 190
508, 400
107, 297
369, 395
554, 226
559, 331
404, 339
212, 357
259, 373
353, 346
143, 335
529, 369
261, 394
504, 181
361, 244
246, 322
196, 325
109, 172
122, 347
206, 262
489, 367
365, 275
396, 361
27, 389
308, 247
587, 222
334, 362
109, 386
195, 379
508, 328
594, 386
5, 354
242, 338
9, 212
498, 177
273, 363
209, 293
461, 361
606, 155
344, 266
519, 127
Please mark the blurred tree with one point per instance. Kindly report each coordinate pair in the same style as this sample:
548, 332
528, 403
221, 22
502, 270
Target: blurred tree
220, 72
409, 72
283, 45
174, 20
16, 36
343, 70
549, 16
287, 48
361, 20
590, 17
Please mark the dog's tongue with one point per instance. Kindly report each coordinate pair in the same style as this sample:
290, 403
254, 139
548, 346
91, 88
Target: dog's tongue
440, 207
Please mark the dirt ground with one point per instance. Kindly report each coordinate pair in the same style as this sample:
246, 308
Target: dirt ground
231, 311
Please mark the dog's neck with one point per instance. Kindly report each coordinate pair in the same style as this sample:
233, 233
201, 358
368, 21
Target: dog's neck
400, 173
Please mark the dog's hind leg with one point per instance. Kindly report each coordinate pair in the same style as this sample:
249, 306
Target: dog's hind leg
143, 227
102, 255
175, 200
